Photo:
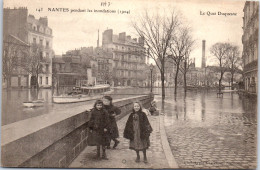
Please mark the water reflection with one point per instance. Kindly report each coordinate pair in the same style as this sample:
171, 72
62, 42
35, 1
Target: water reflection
13, 110
176, 111
203, 108
184, 107
226, 127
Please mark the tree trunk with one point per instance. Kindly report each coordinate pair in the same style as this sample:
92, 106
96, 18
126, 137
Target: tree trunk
219, 82
37, 84
162, 108
185, 82
58, 84
176, 79
163, 88
232, 79
219, 85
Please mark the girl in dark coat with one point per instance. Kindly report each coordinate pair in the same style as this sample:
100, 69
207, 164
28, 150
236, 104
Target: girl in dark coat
99, 125
138, 130
112, 111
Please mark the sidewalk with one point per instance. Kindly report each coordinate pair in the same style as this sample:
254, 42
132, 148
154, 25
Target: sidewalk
122, 156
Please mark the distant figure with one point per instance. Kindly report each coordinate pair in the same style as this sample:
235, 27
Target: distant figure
138, 130
153, 109
99, 128
112, 112
146, 111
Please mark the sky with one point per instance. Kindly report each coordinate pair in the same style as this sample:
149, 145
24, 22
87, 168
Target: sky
80, 29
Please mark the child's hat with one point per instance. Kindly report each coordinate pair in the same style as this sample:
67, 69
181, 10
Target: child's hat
108, 98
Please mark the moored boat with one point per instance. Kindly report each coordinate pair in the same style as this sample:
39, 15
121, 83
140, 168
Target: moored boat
83, 93
34, 103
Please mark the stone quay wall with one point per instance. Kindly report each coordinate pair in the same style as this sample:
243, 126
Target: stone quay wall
55, 139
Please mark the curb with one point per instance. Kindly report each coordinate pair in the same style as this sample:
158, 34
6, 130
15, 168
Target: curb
166, 147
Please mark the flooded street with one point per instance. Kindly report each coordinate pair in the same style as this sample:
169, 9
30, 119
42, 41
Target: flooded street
210, 132
13, 109
203, 131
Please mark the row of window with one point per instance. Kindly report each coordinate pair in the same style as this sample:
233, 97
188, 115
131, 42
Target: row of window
127, 48
60, 67
129, 65
103, 67
250, 31
251, 84
46, 81
47, 43
129, 58
102, 61
69, 67
126, 73
251, 55
40, 29
249, 11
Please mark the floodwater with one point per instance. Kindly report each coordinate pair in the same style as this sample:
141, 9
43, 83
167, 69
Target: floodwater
13, 110
199, 106
205, 107
205, 131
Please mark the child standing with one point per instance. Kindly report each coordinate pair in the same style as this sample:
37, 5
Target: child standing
112, 112
99, 126
153, 108
138, 130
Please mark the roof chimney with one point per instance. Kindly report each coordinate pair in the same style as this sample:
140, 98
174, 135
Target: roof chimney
203, 61
98, 39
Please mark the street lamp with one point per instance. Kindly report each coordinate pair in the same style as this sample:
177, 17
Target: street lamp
151, 69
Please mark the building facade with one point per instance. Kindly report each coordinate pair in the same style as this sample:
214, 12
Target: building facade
14, 44
169, 74
128, 58
34, 32
250, 45
104, 60
99, 60
14, 51
41, 35
70, 71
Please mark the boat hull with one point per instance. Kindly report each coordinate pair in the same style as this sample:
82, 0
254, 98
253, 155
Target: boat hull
74, 99
87, 93
33, 104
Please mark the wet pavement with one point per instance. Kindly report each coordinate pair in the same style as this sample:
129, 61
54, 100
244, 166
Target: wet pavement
122, 156
203, 131
209, 132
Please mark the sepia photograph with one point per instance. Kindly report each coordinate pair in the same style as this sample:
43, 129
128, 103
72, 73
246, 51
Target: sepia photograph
167, 84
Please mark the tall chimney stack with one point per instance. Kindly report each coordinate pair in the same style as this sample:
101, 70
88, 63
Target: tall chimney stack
203, 61
98, 39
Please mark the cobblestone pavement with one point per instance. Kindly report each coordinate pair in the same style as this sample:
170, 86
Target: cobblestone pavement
123, 157
209, 136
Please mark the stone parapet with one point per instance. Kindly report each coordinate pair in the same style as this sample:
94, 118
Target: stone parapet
54, 139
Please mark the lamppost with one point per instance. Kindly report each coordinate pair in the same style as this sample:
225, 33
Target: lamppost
205, 77
151, 69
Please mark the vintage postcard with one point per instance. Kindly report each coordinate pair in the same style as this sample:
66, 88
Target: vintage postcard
130, 84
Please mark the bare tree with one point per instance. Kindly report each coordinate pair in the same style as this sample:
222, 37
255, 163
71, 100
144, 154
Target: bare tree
180, 47
220, 52
234, 62
106, 76
185, 67
33, 63
150, 76
14, 50
157, 32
